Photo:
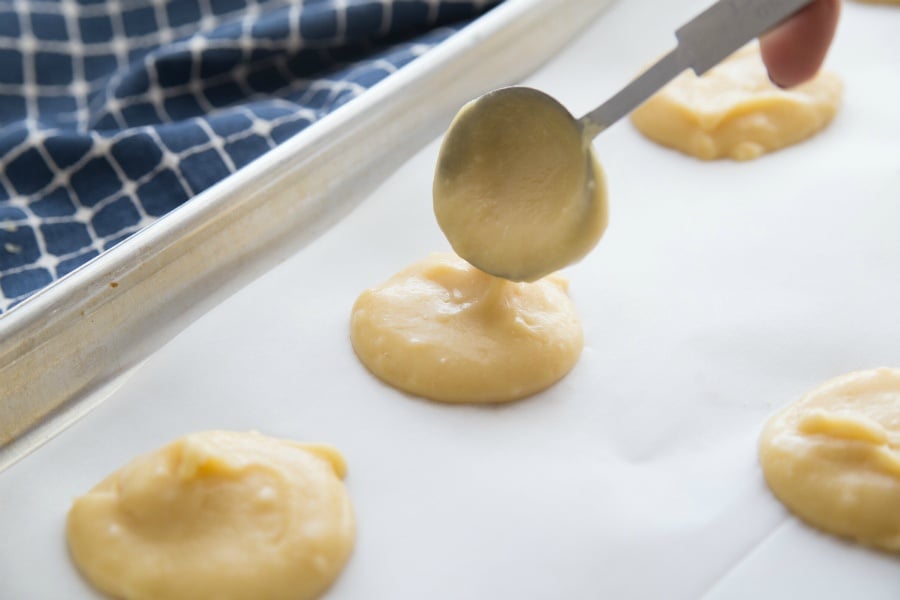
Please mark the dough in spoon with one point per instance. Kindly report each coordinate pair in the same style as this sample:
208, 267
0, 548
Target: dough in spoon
444, 330
517, 190
217, 515
735, 111
833, 457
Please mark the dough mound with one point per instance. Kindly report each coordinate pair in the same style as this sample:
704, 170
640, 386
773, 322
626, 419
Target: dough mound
833, 457
735, 111
217, 515
446, 331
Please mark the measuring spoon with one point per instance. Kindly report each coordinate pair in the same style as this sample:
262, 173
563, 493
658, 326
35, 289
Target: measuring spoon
518, 191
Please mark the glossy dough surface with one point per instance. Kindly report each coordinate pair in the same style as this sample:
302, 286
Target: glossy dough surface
735, 111
833, 457
217, 515
517, 190
444, 330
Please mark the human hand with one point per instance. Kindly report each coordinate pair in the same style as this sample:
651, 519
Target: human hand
795, 50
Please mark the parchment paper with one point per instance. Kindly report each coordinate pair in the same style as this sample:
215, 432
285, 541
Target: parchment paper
720, 292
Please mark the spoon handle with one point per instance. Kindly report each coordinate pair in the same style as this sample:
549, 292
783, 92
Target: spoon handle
703, 43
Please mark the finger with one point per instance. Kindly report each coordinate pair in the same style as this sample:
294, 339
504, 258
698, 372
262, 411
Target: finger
795, 50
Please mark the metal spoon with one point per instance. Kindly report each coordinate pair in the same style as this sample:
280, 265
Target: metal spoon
703, 43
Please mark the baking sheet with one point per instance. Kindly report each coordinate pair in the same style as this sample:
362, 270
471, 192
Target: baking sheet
719, 293
65, 348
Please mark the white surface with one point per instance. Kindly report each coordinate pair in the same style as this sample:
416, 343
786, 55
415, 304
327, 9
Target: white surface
720, 292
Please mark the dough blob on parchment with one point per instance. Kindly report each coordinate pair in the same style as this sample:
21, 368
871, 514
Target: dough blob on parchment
444, 330
833, 457
735, 111
217, 515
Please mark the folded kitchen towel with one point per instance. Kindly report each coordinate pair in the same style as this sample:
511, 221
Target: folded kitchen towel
114, 112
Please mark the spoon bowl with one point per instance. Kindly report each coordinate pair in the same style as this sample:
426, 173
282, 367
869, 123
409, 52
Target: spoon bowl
517, 189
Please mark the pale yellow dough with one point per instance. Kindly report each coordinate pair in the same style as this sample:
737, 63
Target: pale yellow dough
735, 111
833, 457
444, 330
219, 515
517, 190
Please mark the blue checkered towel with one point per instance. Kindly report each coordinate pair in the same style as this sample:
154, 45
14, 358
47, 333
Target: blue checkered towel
113, 112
